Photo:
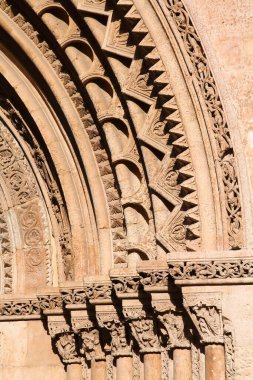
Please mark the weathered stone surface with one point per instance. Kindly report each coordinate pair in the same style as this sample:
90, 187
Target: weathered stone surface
126, 145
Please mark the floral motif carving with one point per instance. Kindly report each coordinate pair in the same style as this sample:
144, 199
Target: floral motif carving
98, 290
73, 296
213, 269
154, 278
24, 192
126, 284
20, 308
225, 153
50, 301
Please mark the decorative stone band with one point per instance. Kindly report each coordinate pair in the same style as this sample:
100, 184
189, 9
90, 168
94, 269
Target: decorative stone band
126, 286
20, 309
211, 269
73, 296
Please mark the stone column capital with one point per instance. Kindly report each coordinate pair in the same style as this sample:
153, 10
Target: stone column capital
63, 339
109, 319
143, 327
205, 311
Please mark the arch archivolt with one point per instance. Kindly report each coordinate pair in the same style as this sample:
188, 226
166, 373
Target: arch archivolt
115, 159
129, 130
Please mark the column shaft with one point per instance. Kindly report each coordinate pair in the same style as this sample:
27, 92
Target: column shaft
182, 364
215, 362
152, 366
74, 371
98, 370
124, 368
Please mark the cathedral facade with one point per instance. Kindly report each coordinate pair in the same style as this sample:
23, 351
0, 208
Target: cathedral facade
126, 163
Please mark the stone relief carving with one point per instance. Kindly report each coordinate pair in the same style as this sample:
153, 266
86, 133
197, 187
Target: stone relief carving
143, 329
66, 346
205, 312
220, 269
221, 132
6, 253
98, 291
126, 284
24, 192
19, 308
111, 322
73, 296
91, 345
229, 350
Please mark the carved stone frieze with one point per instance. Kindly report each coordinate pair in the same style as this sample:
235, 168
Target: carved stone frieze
73, 296
154, 279
20, 308
126, 285
211, 269
50, 301
98, 291
205, 311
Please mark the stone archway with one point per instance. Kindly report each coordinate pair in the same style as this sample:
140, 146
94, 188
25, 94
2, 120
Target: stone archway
120, 189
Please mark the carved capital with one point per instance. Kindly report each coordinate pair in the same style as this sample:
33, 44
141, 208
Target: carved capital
57, 325
143, 329
66, 347
116, 328
91, 347
172, 321
205, 312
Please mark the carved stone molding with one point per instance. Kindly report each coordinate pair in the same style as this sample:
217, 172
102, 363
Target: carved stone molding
98, 292
220, 129
206, 313
49, 302
211, 269
153, 280
73, 296
21, 308
126, 286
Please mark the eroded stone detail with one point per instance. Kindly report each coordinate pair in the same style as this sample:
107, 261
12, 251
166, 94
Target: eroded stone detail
205, 312
219, 269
